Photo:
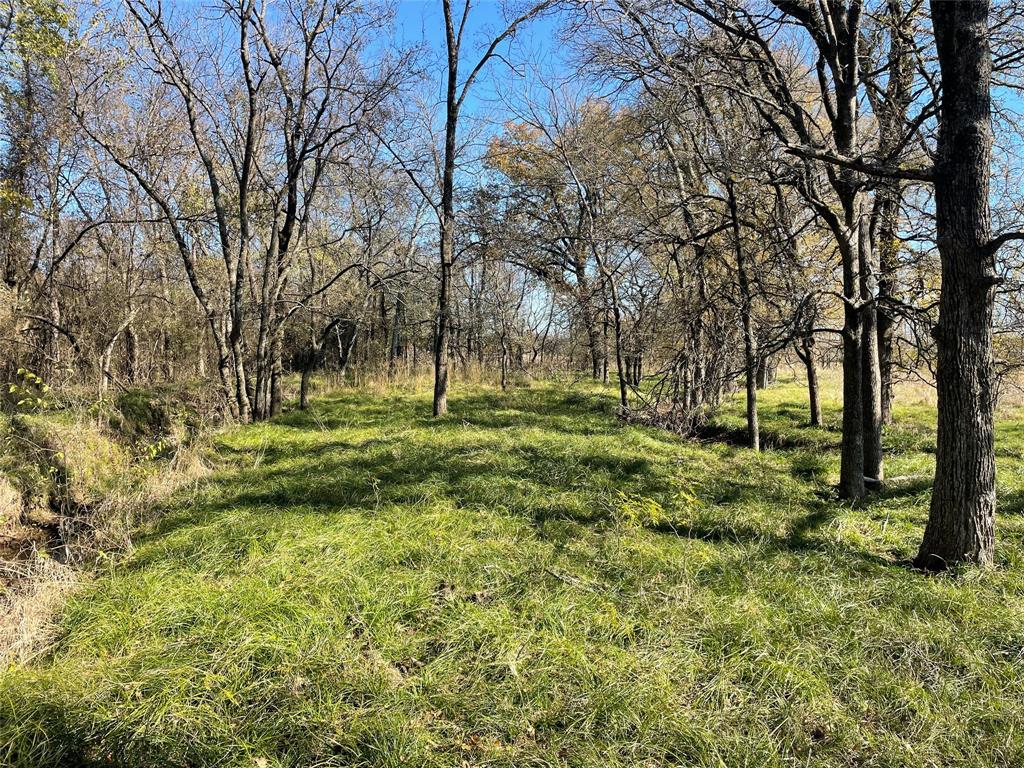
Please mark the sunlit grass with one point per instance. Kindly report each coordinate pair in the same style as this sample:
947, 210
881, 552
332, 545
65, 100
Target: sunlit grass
530, 582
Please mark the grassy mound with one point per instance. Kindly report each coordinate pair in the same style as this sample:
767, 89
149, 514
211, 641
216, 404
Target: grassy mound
531, 583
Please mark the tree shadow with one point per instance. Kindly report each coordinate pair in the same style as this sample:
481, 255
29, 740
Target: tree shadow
799, 539
716, 432
540, 481
905, 487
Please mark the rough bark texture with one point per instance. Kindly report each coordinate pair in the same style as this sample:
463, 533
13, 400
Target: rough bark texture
891, 108
851, 460
961, 521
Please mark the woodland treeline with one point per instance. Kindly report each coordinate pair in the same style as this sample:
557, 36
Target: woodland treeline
242, 190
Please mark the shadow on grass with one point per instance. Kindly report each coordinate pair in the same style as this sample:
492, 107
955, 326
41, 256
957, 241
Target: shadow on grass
902, 488
771, 439
572, 470
799, 539
1012, 503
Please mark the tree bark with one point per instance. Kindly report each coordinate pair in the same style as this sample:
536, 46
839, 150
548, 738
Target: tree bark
131, 355
589, 320
961, 520
613, 296
891, 109
749, 339
309, 361
447, 214
397, 350
851, 459
307, 370
871, 379
504, 365
885, 325
201, 353
810, 362
276, 404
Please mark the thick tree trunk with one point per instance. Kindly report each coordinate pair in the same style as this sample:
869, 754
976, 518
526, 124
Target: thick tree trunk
851, 460
891, 111
961, 521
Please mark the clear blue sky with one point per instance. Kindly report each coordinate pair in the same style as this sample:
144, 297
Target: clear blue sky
422, 22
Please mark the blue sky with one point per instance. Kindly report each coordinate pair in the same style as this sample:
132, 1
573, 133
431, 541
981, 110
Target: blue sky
422, 21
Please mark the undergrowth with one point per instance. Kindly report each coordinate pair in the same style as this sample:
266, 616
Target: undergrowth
530, 582
77, 480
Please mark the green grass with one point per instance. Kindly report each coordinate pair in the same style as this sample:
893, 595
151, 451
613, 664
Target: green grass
530, 582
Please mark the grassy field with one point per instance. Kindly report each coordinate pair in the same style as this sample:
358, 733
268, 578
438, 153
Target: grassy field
530, 582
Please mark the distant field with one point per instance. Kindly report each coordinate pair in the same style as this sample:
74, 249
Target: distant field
530, 582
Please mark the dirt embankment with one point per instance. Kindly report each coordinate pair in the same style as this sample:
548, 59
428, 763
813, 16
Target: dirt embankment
75, 482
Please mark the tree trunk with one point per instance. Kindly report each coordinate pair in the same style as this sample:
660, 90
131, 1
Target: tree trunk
887, 207
763, 373
131, 355
238, 362
604, 341
396, 335
750, 357
308, 362
442, 328
810, 362
961, 521
201, 353
346, 345
613, 295
749, 339
886, 332
891, 110
277, 370
504, 365
594, 346
166, 340
851, 460
447, 215
871, 380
